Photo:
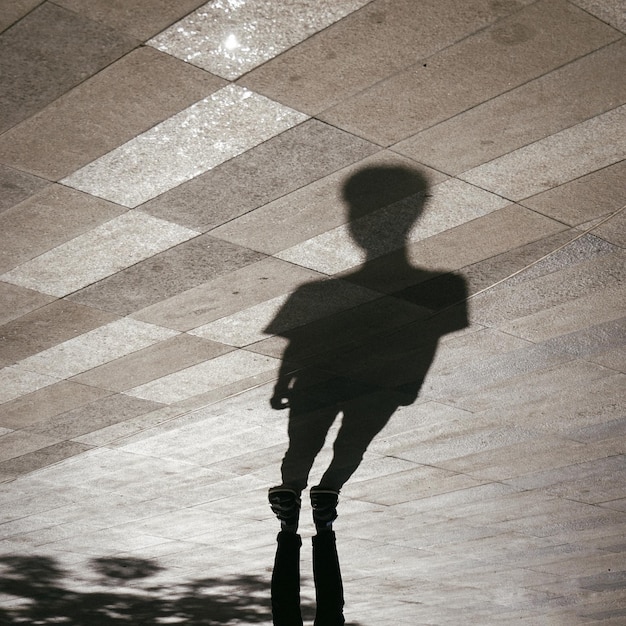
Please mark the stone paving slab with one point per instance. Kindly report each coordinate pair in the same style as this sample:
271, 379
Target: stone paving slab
142, 335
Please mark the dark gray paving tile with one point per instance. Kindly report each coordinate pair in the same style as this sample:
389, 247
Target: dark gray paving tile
585, 198
536, 40
487, 237
47, 219
286, 162
16, 186
48, 326
592, 482
488, 272
13, 10
47, 53
614, 229
529, 113
153, 362
94, 416
498, 306
125, 99
41, 458
17, 301
590, 341
610, 11
379, 40
526, 263
139, 18
47, 403
166, 274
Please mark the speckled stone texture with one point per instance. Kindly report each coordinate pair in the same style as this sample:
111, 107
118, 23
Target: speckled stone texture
188, 240
231, 37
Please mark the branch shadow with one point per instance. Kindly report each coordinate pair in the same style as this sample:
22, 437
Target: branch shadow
38, 590
121, 593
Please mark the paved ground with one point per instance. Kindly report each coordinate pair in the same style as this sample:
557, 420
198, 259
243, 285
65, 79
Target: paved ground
167, 186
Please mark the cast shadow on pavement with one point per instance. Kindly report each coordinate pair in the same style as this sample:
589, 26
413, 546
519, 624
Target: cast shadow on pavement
119, 590
361, 342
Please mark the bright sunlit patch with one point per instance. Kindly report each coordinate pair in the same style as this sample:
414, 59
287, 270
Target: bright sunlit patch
231, 42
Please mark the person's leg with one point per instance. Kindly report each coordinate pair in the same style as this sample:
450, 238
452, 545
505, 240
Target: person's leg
307, 433
285, 585
328, 583
363, 419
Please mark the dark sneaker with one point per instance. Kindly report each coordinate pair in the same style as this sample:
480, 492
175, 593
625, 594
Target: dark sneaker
324, 503
285, 504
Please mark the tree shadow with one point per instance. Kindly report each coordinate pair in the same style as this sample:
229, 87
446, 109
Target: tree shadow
37, 590
360, 343
119, 591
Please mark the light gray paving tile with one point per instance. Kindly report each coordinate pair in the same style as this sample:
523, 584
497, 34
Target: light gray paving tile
203, 377
574, 152
18, 443
250, 325
17, 301
41, 458
585, 198
610, 11
485, 372
166, 274
413, 484
47, 219
102, 251
16, 381
13, 10
152, 362
592, 482
491, 272
211, 131
599, 431
496, 233
47, 326
48, 52
575, 396
453, 203
507, 54
591, 340
16, 186
613, 229
362, 49
544, 392
581, 248
582, 315
141, 18
230, 38
516, 118
273, 169
93, 416
128, 97
493, 308
613, 359
520, 459
47, 403
135, 426
227, 294
95, 347
320, 206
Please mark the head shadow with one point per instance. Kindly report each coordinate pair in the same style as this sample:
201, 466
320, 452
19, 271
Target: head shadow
400, 191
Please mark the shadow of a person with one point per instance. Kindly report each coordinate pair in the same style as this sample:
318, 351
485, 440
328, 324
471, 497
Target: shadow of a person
368, 361
360, 361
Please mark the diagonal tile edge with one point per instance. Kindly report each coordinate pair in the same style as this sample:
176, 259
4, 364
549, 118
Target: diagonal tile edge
98, 253
231, 38
209, 132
